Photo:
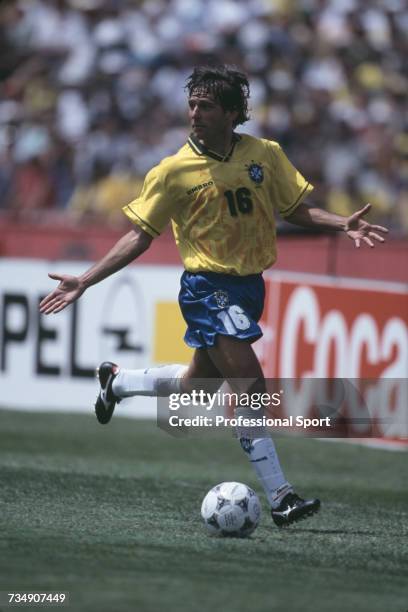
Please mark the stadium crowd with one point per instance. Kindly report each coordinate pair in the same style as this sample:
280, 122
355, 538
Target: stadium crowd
92, 96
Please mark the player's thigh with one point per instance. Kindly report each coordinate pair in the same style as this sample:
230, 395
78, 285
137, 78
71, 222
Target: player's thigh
202, 373
237, 362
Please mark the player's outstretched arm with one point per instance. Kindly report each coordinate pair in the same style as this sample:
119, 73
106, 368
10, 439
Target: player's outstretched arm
70, 288
356, 228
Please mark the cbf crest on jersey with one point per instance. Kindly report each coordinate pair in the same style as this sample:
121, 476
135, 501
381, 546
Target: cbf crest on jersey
222, 299
256, 173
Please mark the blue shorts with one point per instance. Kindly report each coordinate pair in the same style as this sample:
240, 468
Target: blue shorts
221, 304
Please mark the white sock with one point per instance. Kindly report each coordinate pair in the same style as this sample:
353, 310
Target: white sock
162, 381
261, 451
264, 459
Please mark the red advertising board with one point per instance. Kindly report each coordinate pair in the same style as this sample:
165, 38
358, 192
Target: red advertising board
322, 327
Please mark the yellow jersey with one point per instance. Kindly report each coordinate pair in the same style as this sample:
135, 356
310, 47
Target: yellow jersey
222, 209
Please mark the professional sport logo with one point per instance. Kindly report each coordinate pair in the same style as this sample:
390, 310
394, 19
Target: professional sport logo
222, 299
256, 173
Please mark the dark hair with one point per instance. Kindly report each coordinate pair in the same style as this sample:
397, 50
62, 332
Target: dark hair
227, 85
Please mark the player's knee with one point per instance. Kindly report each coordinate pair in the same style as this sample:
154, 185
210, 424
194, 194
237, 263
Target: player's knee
258, 386
209, 385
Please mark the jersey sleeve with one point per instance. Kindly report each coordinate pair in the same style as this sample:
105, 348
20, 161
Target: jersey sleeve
152, 209
289, 186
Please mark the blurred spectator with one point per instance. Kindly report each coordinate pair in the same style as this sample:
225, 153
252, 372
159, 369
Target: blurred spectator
91, 94
103, 195
32, 190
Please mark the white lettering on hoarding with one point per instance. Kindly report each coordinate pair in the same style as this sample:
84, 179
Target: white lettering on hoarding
332, 333
304, 322
350, 346
303, 308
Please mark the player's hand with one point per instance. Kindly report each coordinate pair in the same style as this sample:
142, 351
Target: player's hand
68, 291
358, 229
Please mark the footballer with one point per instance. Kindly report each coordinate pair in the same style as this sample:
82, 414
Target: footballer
220, 192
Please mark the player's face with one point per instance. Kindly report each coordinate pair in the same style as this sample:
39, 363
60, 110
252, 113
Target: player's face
208, 118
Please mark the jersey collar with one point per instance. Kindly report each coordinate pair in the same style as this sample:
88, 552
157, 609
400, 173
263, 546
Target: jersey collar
200, 149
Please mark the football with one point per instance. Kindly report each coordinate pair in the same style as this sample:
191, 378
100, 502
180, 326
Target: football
231, 509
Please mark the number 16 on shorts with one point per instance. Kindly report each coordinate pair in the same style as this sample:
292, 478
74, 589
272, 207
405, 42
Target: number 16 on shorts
234, 319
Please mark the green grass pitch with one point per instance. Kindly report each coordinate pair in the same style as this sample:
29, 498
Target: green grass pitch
112, 515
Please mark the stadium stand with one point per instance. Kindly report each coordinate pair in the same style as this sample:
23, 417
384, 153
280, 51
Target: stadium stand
91, 96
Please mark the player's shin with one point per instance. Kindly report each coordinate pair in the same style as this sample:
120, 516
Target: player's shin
261, 452
159, 381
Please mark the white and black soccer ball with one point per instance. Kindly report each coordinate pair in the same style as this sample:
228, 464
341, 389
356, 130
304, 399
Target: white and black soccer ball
231, 509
